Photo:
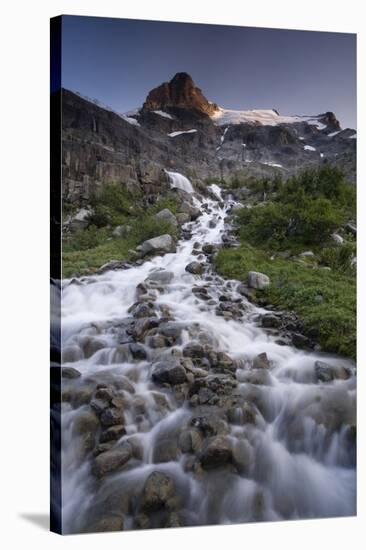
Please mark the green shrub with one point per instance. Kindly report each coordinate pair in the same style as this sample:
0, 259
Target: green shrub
84, 239
339, 258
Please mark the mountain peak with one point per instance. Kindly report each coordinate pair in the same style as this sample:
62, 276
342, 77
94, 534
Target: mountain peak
181, 92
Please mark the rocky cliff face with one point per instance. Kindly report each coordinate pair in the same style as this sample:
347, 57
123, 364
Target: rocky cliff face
179, 129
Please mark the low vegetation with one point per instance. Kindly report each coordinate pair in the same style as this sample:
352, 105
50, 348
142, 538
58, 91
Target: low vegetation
87, 249
298, 216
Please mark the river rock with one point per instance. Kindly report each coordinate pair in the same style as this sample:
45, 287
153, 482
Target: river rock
138, 351
190, 441
193, 350
167, 216
189, 209
182, 218
269, 320
196, 268
161, 244
109, 523
243, 455
160, 276
170, 329
169, 372
258, 280
158, 489
112, 433
85, 422
261, 361
111, 417
327, 373
112, 460
70, 373
216, 453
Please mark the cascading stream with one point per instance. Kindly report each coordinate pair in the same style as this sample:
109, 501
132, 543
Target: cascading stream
236, 443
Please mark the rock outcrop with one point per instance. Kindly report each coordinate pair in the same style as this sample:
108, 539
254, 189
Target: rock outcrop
180, 92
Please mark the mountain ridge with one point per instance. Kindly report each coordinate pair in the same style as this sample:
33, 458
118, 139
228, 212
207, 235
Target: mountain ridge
173, 131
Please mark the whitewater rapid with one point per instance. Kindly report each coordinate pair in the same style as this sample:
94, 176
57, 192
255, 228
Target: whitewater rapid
301, 460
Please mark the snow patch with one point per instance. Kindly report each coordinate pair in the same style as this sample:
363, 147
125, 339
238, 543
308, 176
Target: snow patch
334, 133
274, 164
224, 134
174, 134
163, 114
353, 137
309, 148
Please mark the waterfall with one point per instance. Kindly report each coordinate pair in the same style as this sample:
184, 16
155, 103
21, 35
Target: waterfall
178, 181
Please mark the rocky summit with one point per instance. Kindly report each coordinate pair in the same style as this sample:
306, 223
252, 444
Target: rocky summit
180, 92
178, 129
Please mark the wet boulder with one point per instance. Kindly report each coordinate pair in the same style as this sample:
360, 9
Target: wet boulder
269, 320
160, 276
111, 461
85, 423
182, 218
196, 268
194, 350
327, 373
112, 416
158, 245
216, 453
70, 373
167, 216
158, 489
258, 280
112, 433
169, 372
261, 361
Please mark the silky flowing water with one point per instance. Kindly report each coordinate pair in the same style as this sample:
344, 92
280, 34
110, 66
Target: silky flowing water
299, 452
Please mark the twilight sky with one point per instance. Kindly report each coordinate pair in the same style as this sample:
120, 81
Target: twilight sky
118, 61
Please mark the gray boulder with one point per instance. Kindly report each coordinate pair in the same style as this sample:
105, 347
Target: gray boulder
217, 453
258, 280
112, 460
196, 268
182, 218
158, 489
169, 372
167, 215
161, 244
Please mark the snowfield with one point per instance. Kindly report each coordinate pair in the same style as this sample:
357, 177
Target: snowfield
264, 117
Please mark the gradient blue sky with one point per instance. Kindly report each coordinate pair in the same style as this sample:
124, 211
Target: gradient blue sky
296, 72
